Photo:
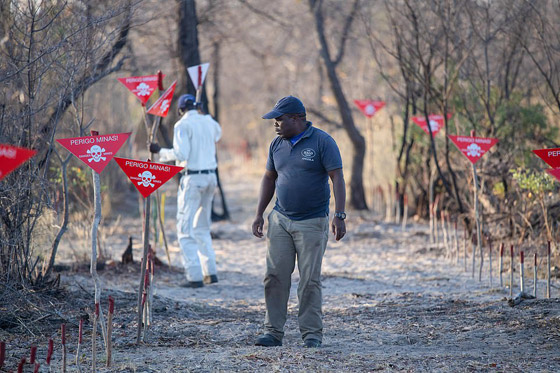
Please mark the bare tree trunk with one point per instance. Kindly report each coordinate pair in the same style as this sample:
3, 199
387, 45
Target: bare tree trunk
357, 193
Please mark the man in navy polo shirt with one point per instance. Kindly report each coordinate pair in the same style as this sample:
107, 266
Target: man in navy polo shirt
301, 160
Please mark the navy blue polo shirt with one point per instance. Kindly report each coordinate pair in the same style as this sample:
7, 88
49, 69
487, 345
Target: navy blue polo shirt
302, 186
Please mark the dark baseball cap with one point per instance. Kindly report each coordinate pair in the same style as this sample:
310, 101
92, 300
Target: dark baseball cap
286, 105
184, 101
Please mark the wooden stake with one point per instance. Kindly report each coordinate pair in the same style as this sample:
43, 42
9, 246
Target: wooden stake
522, 272
548, 271
490, 259
511, 272
474, 244
405, 212
481, 252
141, 290
444, 233
465, 237
63, 333
500, 269
94, 229
94, 338
456, 234
535, 276
110, 330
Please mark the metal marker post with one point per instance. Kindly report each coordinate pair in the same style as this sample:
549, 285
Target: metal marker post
476, 213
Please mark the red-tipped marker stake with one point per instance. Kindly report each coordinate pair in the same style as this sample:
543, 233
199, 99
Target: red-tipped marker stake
522, 272
2, 353
37, 366
501, 263
63, 339
33, 355
20, 365
548, 271
535, 276
511, 272
50, 351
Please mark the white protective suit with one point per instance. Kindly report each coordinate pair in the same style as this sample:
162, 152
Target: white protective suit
194, 147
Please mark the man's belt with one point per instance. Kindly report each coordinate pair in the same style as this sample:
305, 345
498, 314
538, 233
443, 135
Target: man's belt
195, 172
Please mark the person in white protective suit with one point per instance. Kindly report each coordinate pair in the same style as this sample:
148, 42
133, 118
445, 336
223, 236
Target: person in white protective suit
194, 147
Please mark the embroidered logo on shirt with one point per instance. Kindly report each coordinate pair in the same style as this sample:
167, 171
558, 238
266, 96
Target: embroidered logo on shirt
308, 154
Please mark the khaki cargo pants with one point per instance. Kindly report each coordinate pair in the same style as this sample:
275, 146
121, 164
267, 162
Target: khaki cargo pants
287, 240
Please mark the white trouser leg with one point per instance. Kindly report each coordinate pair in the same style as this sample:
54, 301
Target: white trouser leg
202, 222
193, 224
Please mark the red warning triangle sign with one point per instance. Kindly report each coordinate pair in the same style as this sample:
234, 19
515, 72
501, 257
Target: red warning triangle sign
11, 157
142, 86
550, 156
436, 122
473, 147
163, 103
369, 107
554, 172
198, 74
147, 177
95, 151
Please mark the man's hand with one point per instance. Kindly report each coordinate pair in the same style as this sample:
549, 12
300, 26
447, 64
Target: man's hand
257, 226
154, 147
338, 228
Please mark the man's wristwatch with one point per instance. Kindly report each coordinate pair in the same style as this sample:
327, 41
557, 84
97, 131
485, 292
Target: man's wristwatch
340, 215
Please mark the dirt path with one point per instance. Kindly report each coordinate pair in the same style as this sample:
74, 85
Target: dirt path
391, 302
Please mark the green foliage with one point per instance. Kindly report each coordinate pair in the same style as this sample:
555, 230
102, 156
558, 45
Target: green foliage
532, 181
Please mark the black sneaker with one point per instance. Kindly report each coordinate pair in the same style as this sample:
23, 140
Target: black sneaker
312, 343
268, 340
192, 284
212, 279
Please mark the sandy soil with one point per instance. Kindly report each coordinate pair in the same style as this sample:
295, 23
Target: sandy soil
391, 303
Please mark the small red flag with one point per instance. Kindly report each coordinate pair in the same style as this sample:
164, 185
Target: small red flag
550, 156
436, 122
163, 103
369, 107
11, 157
95, 151
473, 147
141, 86
147, 177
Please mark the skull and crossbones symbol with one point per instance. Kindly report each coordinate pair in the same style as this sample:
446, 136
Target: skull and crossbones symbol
434, 125
147, 178
143, 89
96, 153
164, 106
473, 150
